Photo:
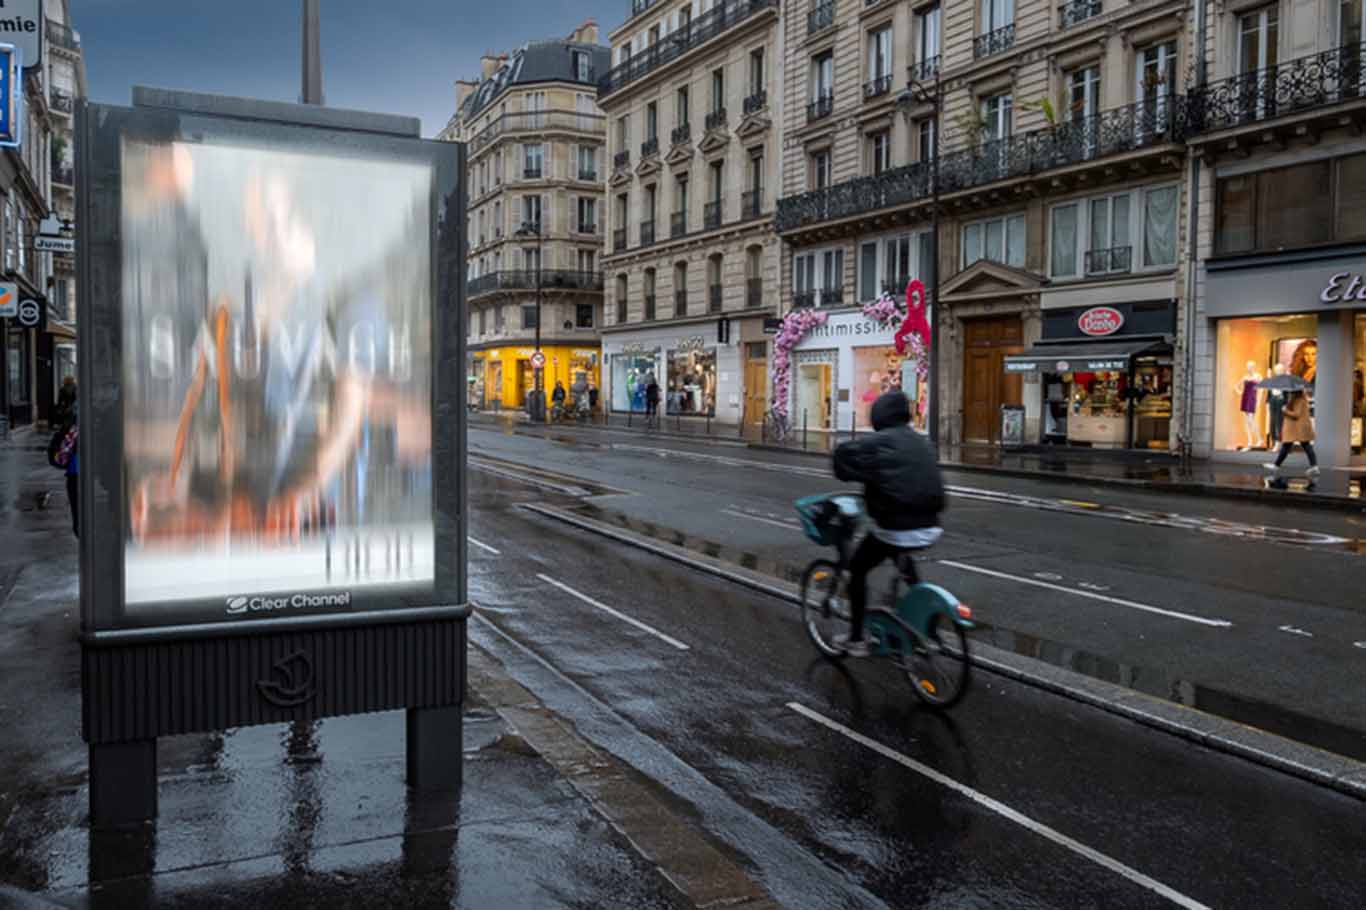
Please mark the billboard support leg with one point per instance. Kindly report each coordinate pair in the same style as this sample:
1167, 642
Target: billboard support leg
435, 740
123, 783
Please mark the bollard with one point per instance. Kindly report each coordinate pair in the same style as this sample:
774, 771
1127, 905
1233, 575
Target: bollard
803, 429
853, 425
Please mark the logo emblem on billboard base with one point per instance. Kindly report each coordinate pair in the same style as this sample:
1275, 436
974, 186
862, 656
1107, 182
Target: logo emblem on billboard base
293, 681
30, 313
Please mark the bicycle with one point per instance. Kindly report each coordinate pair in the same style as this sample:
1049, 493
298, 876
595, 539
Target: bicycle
777, 426
923, 631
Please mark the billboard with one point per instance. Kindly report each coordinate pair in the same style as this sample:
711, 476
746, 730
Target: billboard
11, 97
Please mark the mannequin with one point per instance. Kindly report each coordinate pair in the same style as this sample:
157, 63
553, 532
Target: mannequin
1275, 403
1248, 399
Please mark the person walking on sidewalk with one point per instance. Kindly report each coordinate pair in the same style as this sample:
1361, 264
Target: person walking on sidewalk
68, 457
652, 402
1296, 427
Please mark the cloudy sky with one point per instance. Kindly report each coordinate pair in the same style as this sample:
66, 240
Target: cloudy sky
396, 56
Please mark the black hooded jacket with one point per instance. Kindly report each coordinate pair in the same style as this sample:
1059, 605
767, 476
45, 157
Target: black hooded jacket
902, 487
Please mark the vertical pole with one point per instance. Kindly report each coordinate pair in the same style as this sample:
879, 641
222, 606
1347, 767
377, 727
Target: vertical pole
803, 429
932, 305
311, 87
853, 423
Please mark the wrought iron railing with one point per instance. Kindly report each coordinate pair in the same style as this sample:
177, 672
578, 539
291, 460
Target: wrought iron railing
1153, 122
821, 17
682, 134
875, 88
751, 204
818, 298
678, 224
525, 280
588, 227
647, 232
754, 293
62, 36
1109, 261
618, 240
588, 175
716, 119
896, 286
1077, 11
999, 41
714, 298
621, 160
649, 147
821, 106
535, 121
1297, 85
680, 303
803, 300
924, 70
640, 6
756, 102
720, 18
649, 307
531, 173
711, 216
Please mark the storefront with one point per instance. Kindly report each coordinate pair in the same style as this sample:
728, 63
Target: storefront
698, 373
1303, 315
499, 378
1101, 376
840, 368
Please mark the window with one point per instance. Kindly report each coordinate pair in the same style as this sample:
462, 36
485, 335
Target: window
685, 17
588, 163
652, 121
587, 261
756, 170
822, 77
880, 53
924, 138
1156, 81
532, 160
533, 103
529, 316
879, 151
927, 35
651, 200
652, 37
756, 71
716, 182
531, 213
998, 239
531, 259
583, 68
1351, 23
820, 175
588, 117
583, 315
621, 298
1159, 226
819, 278
1257, 35
681, 193
718, 90
996, 111
498, 219
499, 319
649, 293
888, 263
624, 133
1114, 233
588, 215
715, 271
1083, 87
681, 107
483, 322
681, 277
1283, 208
996, 14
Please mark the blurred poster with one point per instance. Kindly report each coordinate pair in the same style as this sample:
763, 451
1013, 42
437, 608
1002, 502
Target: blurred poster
277, 375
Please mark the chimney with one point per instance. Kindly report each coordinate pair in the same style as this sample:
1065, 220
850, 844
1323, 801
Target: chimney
463, 89
490, 63
587, 33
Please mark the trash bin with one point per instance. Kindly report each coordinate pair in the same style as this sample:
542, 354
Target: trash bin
1012, 426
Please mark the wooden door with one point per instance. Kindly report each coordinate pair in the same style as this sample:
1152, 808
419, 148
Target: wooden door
756, 385
986, 386
979, 393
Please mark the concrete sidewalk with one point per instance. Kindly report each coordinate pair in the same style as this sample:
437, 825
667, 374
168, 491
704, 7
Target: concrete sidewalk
308, 815
1342, 490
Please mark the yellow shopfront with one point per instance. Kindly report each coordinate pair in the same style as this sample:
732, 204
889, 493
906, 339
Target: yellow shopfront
506, 375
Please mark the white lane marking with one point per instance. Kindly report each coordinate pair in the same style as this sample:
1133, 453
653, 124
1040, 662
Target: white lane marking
785, 525
1359, 644
1295, 630
1005, 811
1104, 598
483, 546
619, 615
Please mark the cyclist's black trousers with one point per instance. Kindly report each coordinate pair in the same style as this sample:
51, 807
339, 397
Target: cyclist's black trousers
870, 553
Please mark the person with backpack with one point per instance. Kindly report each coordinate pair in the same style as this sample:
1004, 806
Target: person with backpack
66, 455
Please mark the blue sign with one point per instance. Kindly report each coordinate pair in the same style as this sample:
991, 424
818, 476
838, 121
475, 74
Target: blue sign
11, 96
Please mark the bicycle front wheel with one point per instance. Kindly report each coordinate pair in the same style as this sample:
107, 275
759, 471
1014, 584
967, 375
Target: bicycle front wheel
938, 666
825, 612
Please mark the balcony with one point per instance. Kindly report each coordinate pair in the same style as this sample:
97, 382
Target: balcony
716, 120
61, 102
925, 70
821, 17
525, 280
803, 300
618, 240
63, 175
821, 107
751, 204
621, 161
896, 286
711, 215
720, 18
1296, 86
649, 148
678, 224
992, 43
649, 307
1112, 261
588, 176
61, 36
831, 297
754, 293
680, 303
756, 102
714, 298
682, 134
531, 173
1155, 123
876, 88
640, 6
1077, 12
647, 232
538, 121
587, 227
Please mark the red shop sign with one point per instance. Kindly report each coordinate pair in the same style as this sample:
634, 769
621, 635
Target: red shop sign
1100, 320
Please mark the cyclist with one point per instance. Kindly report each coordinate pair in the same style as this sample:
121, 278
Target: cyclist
903, 495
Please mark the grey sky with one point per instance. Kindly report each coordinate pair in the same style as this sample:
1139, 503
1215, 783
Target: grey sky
401, 56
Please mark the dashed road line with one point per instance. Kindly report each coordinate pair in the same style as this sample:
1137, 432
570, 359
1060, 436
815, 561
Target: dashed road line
1001, 809
483, 546
667, 639
785, 525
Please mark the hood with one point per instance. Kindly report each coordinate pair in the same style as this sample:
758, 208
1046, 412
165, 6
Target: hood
891, 409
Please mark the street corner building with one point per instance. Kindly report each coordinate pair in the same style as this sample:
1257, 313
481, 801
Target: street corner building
535, 138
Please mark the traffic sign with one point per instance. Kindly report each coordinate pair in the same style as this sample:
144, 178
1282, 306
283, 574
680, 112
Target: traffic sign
9, 299
30, 314
538, 360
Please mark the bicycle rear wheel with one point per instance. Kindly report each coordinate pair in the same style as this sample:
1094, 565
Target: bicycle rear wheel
824, 612
938, 666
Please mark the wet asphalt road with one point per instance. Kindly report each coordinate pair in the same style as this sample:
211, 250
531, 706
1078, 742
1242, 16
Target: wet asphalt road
826, 820
1253, 611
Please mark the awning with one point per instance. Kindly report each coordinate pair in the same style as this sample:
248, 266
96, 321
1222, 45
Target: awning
1083, 356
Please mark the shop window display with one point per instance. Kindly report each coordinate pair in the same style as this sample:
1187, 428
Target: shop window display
881, 369
692, 382
1247, 418
1359, 388
630, 375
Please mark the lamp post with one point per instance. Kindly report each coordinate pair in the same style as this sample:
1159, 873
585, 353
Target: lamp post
917, 92
536, 406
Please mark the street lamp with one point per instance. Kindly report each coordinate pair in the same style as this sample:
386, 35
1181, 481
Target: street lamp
918, 92
536, 404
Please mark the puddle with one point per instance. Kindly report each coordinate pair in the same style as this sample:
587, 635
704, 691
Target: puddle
1241, 709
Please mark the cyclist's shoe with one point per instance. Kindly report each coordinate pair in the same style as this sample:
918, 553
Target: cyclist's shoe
856, 648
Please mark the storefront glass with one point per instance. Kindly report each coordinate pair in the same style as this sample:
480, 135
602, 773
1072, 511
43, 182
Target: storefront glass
1249, 350
692, 382
1359, 387
18, 367
815, 395
630, 375
879, 369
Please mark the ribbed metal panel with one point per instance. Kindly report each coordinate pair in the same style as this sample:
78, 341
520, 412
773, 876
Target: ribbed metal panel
148, 690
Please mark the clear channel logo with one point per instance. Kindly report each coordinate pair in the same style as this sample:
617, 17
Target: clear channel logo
243, 603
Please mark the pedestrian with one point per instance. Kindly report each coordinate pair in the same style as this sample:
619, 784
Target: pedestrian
68, 457
651, 401
557, 400
593, 397
66, 399
1296, 427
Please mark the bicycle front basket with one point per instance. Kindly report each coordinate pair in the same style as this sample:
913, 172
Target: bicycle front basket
818, 519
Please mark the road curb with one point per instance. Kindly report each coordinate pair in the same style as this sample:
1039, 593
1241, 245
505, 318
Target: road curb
1317, 766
